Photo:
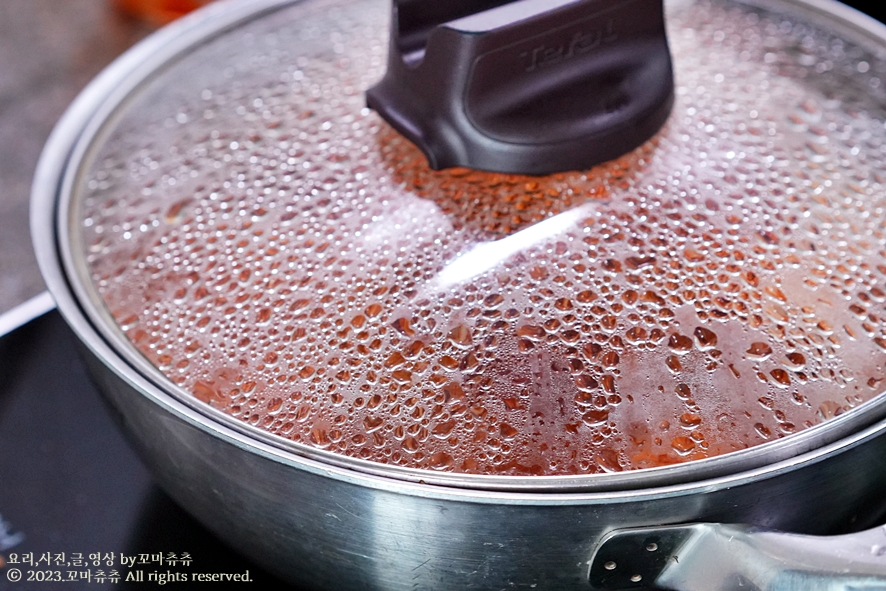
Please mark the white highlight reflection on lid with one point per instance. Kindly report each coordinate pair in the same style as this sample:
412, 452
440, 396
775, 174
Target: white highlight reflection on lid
487, 255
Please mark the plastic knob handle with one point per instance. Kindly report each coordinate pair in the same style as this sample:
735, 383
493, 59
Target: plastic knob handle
532, 86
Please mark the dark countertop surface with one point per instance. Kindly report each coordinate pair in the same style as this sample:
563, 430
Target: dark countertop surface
49, 50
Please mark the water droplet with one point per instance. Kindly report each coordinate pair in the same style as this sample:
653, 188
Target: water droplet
610, 359
682, 445
795, 361
453, 392
595, 416
586, 297
563, 304
775, 293
507, 431
586, 382
403, 326
759, 351
680, 344
371, 423
205, 392
704, 338
531, 332
776, 312
690, 420
634, 263
636, 335
611, 265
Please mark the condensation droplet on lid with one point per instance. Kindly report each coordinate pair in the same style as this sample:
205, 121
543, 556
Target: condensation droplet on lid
759, 351
795, 361
531, 332
781, 376
673, 364
682, 445
705, 338
461, 336
403, 326
679, 343
690, 420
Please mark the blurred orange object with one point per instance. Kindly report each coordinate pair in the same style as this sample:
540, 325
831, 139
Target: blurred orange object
157, 12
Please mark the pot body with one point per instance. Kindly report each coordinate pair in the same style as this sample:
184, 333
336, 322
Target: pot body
325, 528
328, 525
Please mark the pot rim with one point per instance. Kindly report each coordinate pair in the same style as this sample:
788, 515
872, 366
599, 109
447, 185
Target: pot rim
80, 131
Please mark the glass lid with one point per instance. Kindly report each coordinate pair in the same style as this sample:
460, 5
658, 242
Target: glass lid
282, 255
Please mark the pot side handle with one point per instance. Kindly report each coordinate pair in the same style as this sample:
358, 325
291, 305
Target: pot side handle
718, 557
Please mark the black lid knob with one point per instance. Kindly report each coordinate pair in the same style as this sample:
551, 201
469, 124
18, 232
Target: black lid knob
532, 86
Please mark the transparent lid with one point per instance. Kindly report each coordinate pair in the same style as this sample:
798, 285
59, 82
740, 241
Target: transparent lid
281, 254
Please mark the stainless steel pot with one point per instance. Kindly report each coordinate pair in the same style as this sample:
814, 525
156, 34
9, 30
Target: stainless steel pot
331, 522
